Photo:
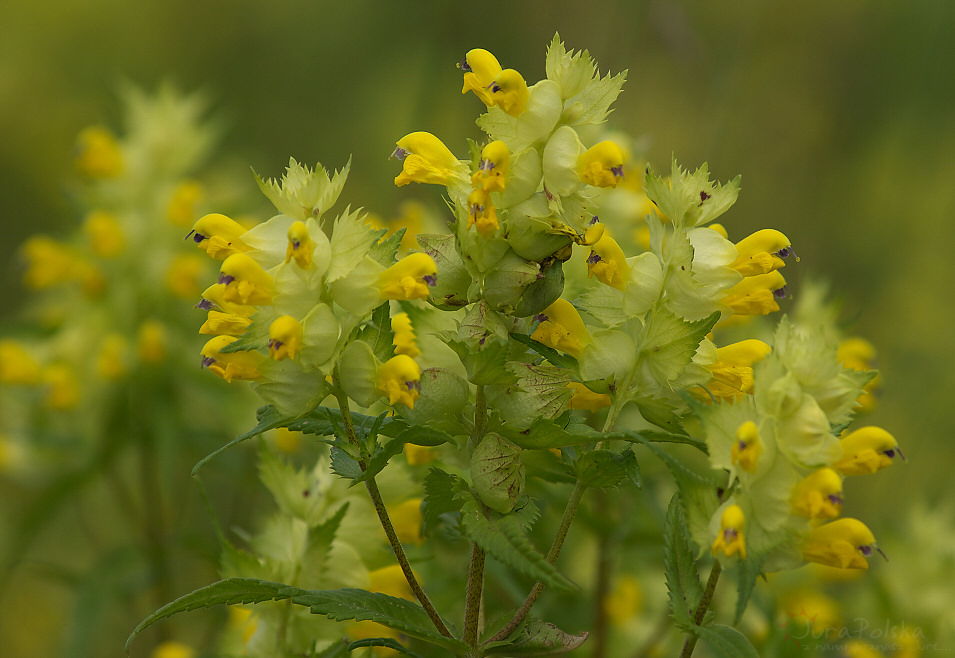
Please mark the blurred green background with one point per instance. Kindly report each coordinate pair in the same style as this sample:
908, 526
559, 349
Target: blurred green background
838, 115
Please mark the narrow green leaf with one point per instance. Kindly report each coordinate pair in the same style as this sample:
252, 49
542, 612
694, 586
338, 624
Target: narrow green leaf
387, 642
554, 357
504, 537
378, 334
340, 605
343, 465
539, 638
384, 252
726, 642
255, 337
269, 418
683, 581
749, 570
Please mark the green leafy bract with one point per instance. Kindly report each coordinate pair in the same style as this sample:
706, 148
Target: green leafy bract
683, 581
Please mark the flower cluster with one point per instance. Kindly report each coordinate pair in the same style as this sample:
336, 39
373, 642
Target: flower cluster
294, 292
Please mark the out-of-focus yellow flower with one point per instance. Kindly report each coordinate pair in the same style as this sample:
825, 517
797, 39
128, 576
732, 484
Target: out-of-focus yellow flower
285, 338
218, 235
584, 398
409, 278
104, 233
730, 539
98, 154
562, 328
625, 600
859, 354
182, 206
244, 620
481, 213
601, 165
49, 262
287, 441
821, 612
843, 543
406, 519
418, 455
230, 365
867, 450
404, 339
747, 448
152, 342
425, 159
17, 366
111, 363
63, 387
398, 380
818, 495
184, 275
173, 649
860, 649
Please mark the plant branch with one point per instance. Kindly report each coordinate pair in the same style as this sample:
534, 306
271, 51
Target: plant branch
701, 609
472, 607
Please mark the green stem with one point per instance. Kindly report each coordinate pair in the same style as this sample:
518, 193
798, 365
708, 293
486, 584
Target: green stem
598, 635
701, 609
552, 555
472, 608
372, 486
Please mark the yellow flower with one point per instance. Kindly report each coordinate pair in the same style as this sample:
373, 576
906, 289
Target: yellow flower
406, 519
111, 362
425, 159
218, 235
818, 495
561, 328
601, 165
63, 388
584, 398
151, 342
730, 540
481, 213
747, 448
285, 338
509, 92
288, 441
245, 281
214, 297
409, 278
184, 274
98, 154
300, 245
733, 370
398, 379
625, 600
859, 354
480, 69
104, 233
182, 207
492, 167
231, 365
173, 649
608, 263
418, 455
843, 543
757, 295
404, 339
391, 581
49, 262
867, 450
761, 252
17, 366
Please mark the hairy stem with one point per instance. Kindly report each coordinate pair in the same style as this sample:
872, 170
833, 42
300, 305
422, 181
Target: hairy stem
701, 609
372, 486
552, 555
472, 607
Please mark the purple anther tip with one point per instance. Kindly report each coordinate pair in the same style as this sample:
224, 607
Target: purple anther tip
866, 550
206, 362
485, 165
540, 317
225, 278
593, 258
431, 280
197, 237
617, 171
399, 153
835, 499
780, 293
784, 252
594, 220
464, 66
204, 304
